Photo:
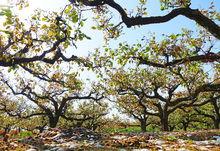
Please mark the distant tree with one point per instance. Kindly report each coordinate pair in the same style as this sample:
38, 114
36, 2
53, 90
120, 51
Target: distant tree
116, 122
211, 109
36, 124
157, 92
92, 114
52, 98
7, 122
186, 119
134, 107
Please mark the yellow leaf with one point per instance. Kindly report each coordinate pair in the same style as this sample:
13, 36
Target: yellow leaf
50, 33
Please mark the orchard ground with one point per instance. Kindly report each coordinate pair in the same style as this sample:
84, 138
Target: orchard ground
130, 139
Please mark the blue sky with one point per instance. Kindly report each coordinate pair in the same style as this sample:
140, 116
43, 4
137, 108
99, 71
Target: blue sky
173, 26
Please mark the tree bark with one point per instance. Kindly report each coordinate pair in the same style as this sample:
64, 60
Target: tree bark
217, 117
143, 125
185, 126
53, 121
164, 122
216, 123
171, 127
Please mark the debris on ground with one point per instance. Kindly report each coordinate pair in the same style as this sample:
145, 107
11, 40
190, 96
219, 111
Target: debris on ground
55, 139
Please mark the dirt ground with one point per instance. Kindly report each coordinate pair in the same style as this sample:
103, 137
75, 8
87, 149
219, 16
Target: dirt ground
83, 139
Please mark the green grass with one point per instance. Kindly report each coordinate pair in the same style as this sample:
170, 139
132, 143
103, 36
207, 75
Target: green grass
124, 130
131, 129
23, 134
170, 138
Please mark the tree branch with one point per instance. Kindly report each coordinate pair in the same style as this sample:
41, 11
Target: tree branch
193, 14
209, 57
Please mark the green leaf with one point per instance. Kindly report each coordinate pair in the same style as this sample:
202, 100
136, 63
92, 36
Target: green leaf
162, 8
68, 9
6, 12
74, 16
44, 19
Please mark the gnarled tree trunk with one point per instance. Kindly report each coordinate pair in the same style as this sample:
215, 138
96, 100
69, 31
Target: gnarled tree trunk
143, 125
164, 122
